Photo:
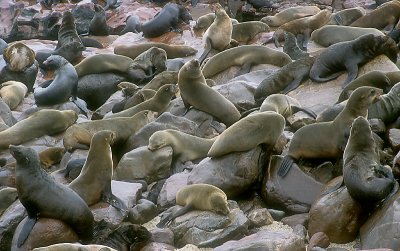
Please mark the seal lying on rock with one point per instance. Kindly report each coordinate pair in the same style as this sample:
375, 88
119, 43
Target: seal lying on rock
386, 16
173, 51
18, 57
291, 47
132, 25
290, 14
13, 92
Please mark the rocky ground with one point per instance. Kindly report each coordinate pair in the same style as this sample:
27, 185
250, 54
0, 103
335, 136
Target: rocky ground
266, 211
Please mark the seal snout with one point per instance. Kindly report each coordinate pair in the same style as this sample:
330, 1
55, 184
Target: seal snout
195, 63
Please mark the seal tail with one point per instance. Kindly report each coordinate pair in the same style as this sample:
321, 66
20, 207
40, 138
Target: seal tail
286, 164
305, 110
26, 229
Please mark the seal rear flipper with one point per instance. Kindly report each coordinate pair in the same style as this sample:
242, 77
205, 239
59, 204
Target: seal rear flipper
319, 79
26, 229
352, 72
292, 85
80, 105
90, 42
164, 222
286, 164
305, 110
207, 49
113, 200
245, 69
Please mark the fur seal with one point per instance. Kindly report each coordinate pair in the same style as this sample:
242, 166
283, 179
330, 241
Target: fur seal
164, 78
204, 21
112, 4
348, 55
367, 181
186, 147
63, 86
72, 52
386, 16
249, 132
302, 28
387, 108
94, 182
244, 56
246, 31
290, 14
219, 35
158, 103
51, 156
98, 24
193, 88
201, 197
67, 32
80, 135
291, 47
173, 51
18, 56
60, 202
7, 196
13, 92
28, 76
74, 247
139, 97
332, 34
101, 63
165, 20
307, 142
43, 122
285, 79
347, 16
132, 25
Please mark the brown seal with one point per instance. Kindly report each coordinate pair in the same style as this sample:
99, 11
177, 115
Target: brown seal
194, 89
386, 16
60, 202
43, 122
94, 182
18, 56
80, 135
367, 181
290, 14
328, 139
201, 197
51, 156
101, 63
246, 31
13, 92
248, 133
173, 51
347, 16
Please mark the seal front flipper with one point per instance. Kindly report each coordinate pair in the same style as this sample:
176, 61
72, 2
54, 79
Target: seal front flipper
26, 229
113, 200
245, 69
207, 49
286, 164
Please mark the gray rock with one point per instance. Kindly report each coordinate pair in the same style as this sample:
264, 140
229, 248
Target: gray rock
277, 214
394, 139
252, 202
319, 239
9, 222
153, 246
297, 219
260, 217
377, 126
143, 212
299, 119
266, 239
166, 198
143, 164
162, 235
107, 106
237, 92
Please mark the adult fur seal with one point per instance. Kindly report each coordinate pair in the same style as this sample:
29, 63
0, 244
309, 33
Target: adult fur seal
193, 88
332, 34
13, 92
101, 63
219, 35
80, 135
302, 28
203, 22
94, 182
246, 31
132, 25
59, 203
63, 86
173, 51
290, 14
168, 18
347, 16
348, 55
259, 128
307, 142
43, 122
72, 52
74, 247
245, 56
139, 97
285, 79
186, 147
67, 32
18, 57
386, 16
158, 103
201, 197
367, 181
291, 47
98, 24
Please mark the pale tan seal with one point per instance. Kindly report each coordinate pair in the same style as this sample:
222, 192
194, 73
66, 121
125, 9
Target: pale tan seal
173, 51
43, 122
386, 16
13, 92
247, 133
18, 56
246, 31
290, 14
186, 147
101, 63
205, 21
196, 93
244, 56
74, 247
201, 197
51, 156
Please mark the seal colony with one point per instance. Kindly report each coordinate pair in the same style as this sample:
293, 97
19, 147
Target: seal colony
175, 128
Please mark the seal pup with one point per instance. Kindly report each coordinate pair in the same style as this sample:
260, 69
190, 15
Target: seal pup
291, 48
185, 147
201, 197
347, 56
193, 89
285, 79
12, 93
60, 202
249, 132
290, 14
98, 25
309, 141
245, 56
94, 182
384, 17
219, 35
367, 181
132, 25
51, 156
165, 20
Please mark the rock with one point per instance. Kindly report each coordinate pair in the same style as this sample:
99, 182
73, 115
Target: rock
162, 235
144, 211
6, 114
107, 106
380, 230
74, 246
324, 172
233, 173
9, 222
319, 239
207, 229
252, 201
377, 126
28, 76
166, 198
8, 196
7, 177
300, 230
260, 217
44, 233
295, 193
299, 119
324, 2
143, 164
268, 239
394, 139
158, 246
237, 92
277, 214
339, 223
297, 219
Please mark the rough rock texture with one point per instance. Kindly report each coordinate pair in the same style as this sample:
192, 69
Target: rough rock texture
166, 198
9, 222
259, 217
